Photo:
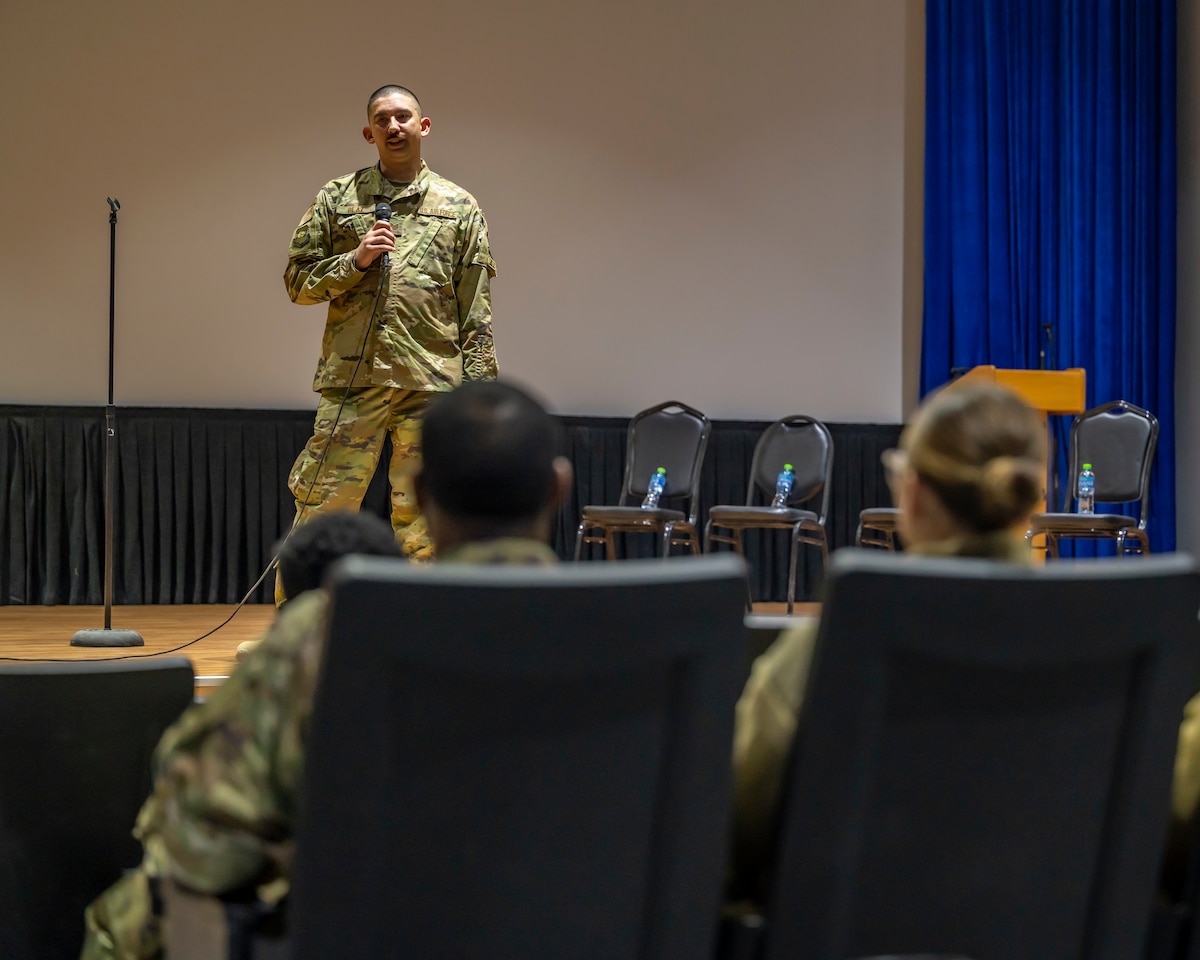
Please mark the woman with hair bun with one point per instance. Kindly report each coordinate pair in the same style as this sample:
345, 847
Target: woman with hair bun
967, 475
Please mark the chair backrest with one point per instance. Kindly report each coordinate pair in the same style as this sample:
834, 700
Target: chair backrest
807, 445
671, 435
520, 761
986, 758
1118, 439
74, 771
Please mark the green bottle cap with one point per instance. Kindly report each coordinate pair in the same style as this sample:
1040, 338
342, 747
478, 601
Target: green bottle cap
787, 466
1087, 466
661, 470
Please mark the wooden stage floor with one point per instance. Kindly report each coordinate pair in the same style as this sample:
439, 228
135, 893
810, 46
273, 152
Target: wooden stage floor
44, 633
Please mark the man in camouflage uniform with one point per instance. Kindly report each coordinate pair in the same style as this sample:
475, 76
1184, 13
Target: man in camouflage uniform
228, 773
409, 313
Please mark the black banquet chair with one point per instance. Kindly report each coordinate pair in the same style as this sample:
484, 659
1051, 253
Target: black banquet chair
533, 762
878, 528
75, 756
671, 435
1118, 439
807, 445
987, 768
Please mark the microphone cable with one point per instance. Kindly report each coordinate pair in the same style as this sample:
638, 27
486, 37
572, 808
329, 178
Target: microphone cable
274, 561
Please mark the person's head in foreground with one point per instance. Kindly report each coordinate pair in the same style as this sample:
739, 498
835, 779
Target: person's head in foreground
489, 466
314, 547
969, 471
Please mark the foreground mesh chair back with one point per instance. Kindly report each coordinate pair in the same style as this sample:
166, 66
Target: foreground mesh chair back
671, 435
75, 756
520, 762
1119, 440
807, 445
985, 769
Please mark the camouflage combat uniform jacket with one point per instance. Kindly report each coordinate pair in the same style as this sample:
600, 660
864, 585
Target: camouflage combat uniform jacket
228, 773
434, 324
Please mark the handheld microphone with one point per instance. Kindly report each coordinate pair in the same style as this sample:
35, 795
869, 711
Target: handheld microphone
383, 211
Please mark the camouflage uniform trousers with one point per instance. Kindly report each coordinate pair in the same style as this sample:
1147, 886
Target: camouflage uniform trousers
352, 452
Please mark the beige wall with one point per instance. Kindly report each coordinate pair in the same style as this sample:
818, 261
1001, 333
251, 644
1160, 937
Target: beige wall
662, 181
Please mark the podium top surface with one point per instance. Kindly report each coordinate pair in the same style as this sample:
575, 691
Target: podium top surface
1050, 391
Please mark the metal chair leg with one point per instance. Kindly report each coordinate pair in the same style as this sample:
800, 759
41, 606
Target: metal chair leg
792, 573
739, 549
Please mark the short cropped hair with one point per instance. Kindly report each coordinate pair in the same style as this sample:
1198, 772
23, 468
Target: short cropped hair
314, 547
488, 451
387, 90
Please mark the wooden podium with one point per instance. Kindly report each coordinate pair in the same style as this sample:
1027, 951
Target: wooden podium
1047, 391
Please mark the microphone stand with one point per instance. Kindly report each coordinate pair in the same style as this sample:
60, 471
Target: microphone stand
108, 637
1047, 342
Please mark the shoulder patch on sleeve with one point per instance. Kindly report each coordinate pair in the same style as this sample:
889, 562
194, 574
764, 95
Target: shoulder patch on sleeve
302, 237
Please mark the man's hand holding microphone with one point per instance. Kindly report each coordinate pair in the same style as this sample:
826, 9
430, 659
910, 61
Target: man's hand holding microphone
379, 241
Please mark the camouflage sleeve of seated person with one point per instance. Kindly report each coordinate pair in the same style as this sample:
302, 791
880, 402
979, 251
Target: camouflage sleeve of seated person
229, 771
221, 813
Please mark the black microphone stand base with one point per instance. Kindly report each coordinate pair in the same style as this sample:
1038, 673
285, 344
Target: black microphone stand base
107, 638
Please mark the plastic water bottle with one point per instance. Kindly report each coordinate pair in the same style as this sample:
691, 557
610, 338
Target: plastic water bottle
1086, 501
783, 486
654, 489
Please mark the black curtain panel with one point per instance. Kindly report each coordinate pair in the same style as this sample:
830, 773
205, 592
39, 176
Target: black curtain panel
201, 499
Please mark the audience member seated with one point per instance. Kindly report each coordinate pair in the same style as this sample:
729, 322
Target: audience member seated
225, 817
967, 475
221, 817
1185, 808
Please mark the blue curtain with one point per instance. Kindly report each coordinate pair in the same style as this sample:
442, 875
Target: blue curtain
1050, 201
